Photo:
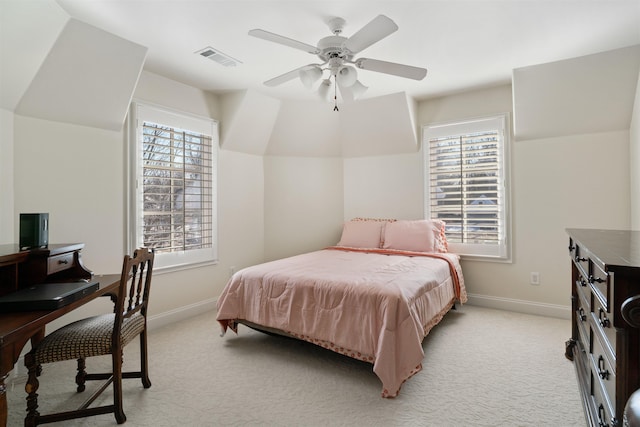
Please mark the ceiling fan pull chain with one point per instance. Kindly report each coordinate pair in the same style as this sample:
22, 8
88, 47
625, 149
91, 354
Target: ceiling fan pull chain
335, 96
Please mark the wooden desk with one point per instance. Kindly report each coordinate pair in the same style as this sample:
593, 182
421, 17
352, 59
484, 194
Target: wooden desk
18, 328
55, 263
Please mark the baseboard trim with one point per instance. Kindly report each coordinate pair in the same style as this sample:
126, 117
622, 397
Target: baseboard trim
499, 303
521, 306
181, 313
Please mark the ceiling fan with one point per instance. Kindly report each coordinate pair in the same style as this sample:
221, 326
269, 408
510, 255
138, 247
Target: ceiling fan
336, 53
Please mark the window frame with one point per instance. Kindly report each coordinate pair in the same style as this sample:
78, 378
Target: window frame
140, 112
502, 251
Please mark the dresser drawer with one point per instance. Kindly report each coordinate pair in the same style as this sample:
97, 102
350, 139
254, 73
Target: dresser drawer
581, 259
603, 326
599, 281
603, 372
582, 320
584, 294
59, 262
603, 410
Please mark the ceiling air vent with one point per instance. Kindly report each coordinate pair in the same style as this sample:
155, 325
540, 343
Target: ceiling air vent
219, 57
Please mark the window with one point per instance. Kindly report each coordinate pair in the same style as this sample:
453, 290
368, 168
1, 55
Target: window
465, 167
173, 186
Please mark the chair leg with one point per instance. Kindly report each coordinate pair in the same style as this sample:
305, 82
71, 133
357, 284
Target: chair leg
31, 387
144, 364
117, 387
81, 376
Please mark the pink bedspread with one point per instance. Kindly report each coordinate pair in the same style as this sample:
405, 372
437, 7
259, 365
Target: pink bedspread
375, 306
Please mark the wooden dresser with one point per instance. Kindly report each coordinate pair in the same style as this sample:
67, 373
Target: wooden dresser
605, 326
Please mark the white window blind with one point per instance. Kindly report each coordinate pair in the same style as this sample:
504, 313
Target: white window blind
175, 194
465, 184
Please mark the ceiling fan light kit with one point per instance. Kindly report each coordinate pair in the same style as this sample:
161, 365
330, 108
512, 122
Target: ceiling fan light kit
309, 76
347, 76
337, 55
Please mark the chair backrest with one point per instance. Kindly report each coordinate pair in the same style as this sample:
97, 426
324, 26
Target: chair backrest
135, 283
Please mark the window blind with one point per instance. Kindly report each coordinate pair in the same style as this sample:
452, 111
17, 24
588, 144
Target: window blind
177, 192
465, 184
463, 181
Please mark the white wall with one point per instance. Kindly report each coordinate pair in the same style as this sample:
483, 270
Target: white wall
635, 160
75, 173
7, 235
303, 204
383, 187
557, 183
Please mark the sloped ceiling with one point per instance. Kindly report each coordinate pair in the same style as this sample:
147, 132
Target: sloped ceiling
306, 129
260, 125
88, 78
593, 93
378, 126
247, 120
28, 31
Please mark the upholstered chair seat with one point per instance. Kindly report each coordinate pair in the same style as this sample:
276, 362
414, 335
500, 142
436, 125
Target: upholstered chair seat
86, 338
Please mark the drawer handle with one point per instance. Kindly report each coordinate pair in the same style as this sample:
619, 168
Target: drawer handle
571, 248
581, 314
595, 279
583, 282
604, 321
580, 259
63, 261
602, 371
601, 416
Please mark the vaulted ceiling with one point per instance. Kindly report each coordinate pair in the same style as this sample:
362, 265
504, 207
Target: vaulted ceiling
79, 61
463, 43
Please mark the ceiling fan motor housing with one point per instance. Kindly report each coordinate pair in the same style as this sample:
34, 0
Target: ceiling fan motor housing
333, 47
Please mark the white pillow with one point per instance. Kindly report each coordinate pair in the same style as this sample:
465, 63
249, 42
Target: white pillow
406, 235
362, 234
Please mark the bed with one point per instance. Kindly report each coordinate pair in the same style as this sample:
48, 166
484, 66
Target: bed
373, 297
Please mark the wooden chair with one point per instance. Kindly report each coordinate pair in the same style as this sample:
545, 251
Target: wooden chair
96, 336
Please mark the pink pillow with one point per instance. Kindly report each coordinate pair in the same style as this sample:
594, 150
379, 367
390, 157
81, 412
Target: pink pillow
418, 235
361, 234
439, 228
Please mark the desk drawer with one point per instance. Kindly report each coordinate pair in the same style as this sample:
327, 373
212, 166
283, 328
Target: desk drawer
59, 262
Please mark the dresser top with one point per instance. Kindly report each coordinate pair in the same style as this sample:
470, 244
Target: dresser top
615, 248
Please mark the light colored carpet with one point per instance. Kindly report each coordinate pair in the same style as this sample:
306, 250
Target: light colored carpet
482, 367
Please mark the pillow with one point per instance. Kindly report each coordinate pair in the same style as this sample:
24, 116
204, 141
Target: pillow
441, 244
417, 235
361, 234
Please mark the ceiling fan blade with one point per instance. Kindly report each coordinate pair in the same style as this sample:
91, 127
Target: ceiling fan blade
287, 76
400, 70
272, 37
379, 28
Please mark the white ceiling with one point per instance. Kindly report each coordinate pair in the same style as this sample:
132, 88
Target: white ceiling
464, 44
